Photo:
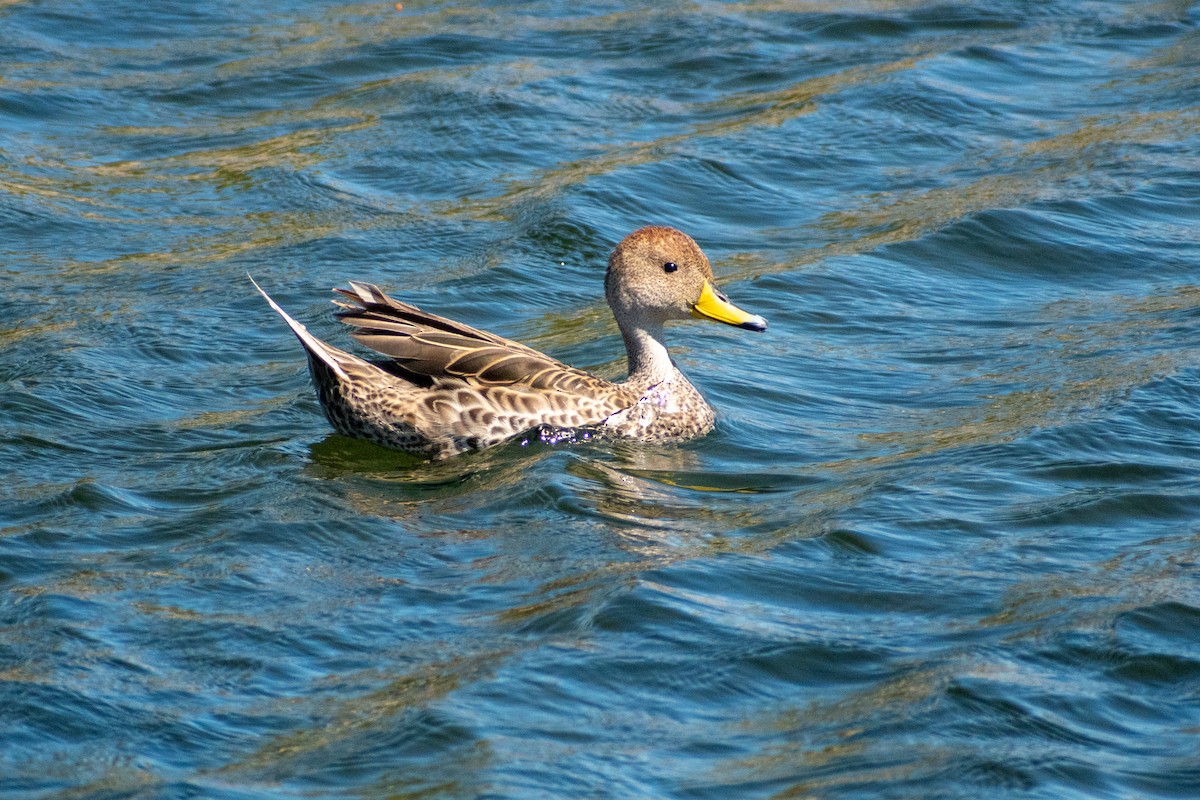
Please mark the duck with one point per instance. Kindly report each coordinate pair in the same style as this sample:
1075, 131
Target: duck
445, 388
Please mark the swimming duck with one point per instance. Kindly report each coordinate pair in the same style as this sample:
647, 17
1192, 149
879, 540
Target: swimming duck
446, 388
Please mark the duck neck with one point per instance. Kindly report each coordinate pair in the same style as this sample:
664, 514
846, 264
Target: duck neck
649, 361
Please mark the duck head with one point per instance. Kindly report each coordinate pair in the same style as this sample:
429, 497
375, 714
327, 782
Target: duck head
657, 274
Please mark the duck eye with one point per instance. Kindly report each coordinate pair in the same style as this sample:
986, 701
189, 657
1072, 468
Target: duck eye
670, 266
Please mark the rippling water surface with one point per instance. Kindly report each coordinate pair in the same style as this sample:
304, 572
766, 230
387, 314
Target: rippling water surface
942, 543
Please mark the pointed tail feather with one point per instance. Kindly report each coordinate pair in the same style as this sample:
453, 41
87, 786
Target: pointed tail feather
311, 343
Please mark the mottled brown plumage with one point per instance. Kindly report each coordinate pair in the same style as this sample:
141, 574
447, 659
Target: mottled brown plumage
446, 387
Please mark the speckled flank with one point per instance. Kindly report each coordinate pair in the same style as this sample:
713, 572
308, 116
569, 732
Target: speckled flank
448, 388
444, 421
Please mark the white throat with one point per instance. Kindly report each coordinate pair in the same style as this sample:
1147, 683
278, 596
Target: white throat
649, 361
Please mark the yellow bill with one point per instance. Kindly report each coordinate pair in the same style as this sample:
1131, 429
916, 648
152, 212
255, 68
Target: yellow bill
716, 306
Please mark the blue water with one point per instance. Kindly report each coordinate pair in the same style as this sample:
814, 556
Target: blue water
942, 544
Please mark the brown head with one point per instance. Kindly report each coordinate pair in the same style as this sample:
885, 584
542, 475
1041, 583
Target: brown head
656, 274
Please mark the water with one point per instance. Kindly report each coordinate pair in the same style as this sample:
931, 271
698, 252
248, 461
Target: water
943, 542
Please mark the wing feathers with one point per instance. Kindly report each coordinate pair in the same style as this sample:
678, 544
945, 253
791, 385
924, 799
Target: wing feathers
375, 307
439, 348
